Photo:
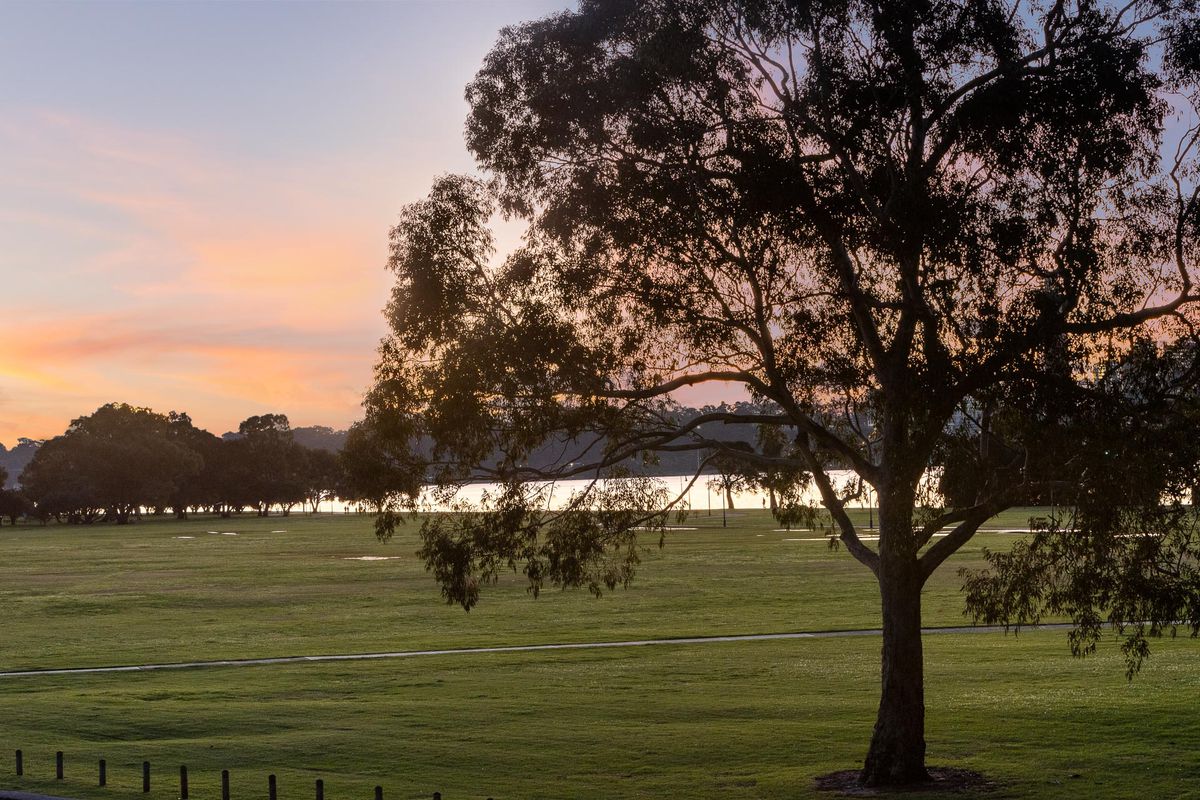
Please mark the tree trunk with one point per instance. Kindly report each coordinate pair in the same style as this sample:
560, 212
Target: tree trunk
729, 497
897, 753
774, 500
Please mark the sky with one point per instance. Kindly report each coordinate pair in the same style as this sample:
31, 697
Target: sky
195, 198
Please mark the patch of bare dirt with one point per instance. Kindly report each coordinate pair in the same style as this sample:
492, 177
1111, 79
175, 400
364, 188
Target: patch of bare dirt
944, 780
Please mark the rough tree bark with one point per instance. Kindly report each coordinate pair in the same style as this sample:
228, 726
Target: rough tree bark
897, 752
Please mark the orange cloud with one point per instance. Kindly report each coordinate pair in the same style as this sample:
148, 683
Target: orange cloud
219, 373
183, 280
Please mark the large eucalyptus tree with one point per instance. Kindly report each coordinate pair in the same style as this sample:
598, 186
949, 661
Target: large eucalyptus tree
889, 223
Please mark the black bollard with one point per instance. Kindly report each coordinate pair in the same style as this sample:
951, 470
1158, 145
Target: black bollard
378, 793
103, 772
145, 777
224, 784
271, 787
437, 796
183, 783
58, 765
20, 764
320, 789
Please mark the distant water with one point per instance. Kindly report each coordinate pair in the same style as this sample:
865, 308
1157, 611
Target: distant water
700, 496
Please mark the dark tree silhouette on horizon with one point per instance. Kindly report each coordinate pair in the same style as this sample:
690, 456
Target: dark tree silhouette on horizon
110, 463
893, 225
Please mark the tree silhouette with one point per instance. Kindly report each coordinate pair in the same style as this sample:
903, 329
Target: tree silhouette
111, 463
900, 228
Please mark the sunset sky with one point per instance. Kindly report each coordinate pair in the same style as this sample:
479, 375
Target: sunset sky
195, 197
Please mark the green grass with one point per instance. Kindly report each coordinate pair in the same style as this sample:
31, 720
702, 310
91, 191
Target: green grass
738, 720
102, 595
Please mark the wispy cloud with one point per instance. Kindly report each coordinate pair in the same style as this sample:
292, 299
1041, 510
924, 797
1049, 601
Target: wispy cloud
219, 371
158, 272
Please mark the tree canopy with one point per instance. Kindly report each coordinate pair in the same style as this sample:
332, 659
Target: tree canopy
121, 459
112, 462
913, 233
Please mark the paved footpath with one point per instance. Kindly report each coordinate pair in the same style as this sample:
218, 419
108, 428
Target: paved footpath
27, 796
523, 648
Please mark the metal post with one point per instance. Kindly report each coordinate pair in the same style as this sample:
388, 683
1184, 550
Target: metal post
145, 777
103, 772
224, 784
183, 787
20, 764
320, 789
58, 759
271, 787
870, 510
378, 793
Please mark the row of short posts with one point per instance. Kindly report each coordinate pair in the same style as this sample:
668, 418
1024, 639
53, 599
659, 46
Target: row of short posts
272, 784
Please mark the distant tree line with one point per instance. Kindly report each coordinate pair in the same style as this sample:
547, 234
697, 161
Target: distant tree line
121, 461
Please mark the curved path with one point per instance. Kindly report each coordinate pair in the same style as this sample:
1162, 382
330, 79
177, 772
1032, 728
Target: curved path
522, 648
7, 795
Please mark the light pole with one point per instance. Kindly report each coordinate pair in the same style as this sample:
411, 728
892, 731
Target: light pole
870, 510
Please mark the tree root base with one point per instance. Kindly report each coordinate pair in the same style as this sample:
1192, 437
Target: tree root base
943, 780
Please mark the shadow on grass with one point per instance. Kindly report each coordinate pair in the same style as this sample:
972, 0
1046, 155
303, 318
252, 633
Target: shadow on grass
945, 780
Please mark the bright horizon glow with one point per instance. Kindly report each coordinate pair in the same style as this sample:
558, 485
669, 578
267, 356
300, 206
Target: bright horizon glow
195, 198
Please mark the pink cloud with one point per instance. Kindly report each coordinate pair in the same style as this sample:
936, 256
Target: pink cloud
219, 373
223, 285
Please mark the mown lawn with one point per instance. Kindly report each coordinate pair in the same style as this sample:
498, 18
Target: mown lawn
103, 595
736, 720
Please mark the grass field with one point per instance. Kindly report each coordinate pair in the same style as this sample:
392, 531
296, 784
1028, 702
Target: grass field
737, 720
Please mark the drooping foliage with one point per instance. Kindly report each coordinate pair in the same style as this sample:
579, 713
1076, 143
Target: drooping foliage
1121, 546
